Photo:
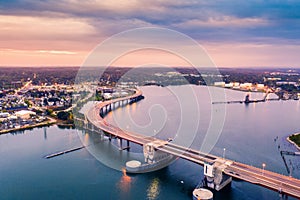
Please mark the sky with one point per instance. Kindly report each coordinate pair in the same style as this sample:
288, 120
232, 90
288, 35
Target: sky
258, 33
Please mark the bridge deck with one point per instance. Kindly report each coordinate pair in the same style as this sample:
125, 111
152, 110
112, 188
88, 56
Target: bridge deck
265, 178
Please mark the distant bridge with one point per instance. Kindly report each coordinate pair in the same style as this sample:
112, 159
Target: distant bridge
218, 171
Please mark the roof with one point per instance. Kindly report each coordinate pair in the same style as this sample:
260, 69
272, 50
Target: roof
24, 112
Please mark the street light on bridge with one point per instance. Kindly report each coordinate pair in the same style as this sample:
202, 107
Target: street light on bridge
263, 168
224, 150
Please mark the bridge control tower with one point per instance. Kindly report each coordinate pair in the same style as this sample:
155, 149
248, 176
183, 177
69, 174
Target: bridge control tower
154, 158
151, 154
214, 176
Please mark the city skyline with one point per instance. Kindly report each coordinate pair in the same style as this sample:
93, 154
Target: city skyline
235, 34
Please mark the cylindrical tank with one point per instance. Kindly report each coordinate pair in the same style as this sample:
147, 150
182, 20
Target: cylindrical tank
203, 194
133, 166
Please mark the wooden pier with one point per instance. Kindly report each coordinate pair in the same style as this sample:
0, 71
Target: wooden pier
63, 152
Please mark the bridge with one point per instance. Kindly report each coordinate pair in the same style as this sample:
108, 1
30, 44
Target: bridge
218, 171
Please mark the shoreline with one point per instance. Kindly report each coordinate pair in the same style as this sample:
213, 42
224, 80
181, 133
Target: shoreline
49, 122
292, 142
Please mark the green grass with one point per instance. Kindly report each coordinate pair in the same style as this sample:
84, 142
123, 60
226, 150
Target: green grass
295, 138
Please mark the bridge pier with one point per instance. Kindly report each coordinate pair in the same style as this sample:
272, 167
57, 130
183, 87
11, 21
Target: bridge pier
101, 134
154, 159
85, 123
282, 195
101, 112
214, 176
152, 155
120, 143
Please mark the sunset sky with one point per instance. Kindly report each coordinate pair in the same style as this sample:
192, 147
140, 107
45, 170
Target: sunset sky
234, 33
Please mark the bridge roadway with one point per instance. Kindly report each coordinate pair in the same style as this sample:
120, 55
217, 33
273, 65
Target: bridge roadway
277, 182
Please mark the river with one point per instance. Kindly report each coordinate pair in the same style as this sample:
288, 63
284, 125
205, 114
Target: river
248, 135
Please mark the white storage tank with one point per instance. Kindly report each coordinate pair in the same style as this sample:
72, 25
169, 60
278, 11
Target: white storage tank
203, 194
133, 166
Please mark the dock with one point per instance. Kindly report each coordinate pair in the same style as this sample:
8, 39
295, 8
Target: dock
63, 152
246, 101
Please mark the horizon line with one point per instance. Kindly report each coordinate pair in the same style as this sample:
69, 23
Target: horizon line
220, 67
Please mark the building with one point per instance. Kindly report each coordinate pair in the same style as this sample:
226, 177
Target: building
219, 84
25, 114
229, 85
4, 114
246, 86
286, 83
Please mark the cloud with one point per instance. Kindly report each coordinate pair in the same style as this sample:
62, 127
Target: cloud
224, 21
38, 51
75, 25
27, 32
214, 19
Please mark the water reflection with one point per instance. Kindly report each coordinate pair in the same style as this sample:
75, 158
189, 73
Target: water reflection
153, 189
125, 182
86, 139
107, 152
45, 133
133, 108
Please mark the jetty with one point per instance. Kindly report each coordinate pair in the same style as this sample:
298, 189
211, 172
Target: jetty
63, 152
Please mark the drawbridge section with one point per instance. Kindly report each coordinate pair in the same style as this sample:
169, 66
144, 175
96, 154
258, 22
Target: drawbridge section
214, 176
155, 159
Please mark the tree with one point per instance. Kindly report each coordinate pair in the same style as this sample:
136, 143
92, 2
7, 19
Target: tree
49, 111
28, 103
62, 115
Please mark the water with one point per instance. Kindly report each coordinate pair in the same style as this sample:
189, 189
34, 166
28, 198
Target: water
248, 136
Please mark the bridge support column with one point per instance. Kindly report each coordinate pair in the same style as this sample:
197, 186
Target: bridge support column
128, 146
120, 141
101, 112
214, 176
101, 134
282, 195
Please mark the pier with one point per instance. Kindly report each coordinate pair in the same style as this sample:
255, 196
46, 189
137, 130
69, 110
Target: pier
248, 100
63, 152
